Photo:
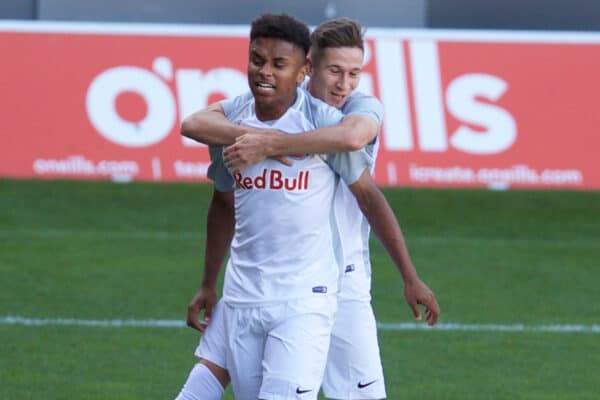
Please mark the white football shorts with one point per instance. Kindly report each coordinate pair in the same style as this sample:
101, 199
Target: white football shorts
354, 368
279, 351
213, 342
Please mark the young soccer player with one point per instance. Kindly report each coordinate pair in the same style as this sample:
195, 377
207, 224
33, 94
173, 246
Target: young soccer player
281, 279
354, 367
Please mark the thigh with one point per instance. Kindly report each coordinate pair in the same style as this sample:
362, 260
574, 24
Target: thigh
245, 347
354, 368
213, 343
296, 350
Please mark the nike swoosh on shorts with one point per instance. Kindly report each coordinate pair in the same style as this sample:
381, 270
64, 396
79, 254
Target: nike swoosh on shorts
364, 385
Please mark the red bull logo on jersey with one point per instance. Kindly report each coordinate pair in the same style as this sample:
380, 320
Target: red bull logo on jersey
272, 179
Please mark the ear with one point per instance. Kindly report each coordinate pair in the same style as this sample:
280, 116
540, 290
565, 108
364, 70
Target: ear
309, 65
301, 74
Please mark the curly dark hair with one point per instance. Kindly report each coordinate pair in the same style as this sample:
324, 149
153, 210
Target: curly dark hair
281, 26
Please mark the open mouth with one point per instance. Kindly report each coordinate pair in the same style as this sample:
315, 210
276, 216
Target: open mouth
337, 96
264, 87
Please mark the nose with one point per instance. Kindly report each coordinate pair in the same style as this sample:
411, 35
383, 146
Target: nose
343, 83
265, 70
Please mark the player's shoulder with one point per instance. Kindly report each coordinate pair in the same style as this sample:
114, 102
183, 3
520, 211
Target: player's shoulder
359, 100
364, 104
321, 113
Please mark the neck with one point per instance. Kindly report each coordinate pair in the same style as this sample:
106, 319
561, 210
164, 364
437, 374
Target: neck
269, 112
273, 110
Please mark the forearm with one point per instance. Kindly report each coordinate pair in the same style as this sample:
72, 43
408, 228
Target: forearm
385, 226
353, 133
319, 141
219, 232
211, 127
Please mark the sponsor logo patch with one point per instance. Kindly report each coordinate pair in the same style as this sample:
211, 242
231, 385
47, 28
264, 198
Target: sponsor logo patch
273, 179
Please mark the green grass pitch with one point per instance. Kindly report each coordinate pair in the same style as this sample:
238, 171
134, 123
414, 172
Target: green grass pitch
92, 250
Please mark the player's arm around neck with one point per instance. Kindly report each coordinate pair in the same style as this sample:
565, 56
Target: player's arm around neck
353, 133
211, 127
385, 225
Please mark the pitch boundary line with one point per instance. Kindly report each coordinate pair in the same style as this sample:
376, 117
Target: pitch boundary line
382, 326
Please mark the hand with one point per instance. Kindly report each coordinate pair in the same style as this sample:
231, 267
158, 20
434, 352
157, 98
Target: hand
205, 299
250, 149
417, 293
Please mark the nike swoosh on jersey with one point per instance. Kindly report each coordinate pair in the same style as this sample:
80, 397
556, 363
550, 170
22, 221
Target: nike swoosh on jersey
364, 385
298, 391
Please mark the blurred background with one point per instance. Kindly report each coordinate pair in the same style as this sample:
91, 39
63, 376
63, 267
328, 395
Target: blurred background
578, 15
472, 90
488, 157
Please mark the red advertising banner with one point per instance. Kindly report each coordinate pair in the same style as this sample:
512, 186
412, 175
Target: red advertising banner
462, 109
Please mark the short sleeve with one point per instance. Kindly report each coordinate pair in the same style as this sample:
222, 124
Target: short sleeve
218, 172
350, 165
362, 104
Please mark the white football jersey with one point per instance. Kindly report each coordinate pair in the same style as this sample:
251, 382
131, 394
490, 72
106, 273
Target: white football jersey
286, 242
352, 224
